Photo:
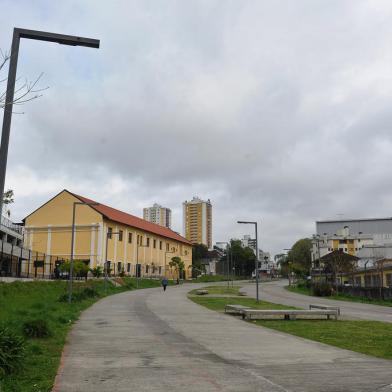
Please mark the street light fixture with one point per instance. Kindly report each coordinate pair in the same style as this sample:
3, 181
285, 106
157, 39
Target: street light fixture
256, 259
9, 98
72, 244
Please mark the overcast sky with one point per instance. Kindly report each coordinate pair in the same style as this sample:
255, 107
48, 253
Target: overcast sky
277, 111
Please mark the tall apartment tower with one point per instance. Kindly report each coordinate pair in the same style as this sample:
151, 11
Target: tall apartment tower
197, 221
158, 214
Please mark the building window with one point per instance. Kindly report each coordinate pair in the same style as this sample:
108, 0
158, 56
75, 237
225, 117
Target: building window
120, 235
146, 269
167, 247
160, 270
186, 252
129, 238
160, 245
119, 268
110, 231
147, 242
154, 244
129, 267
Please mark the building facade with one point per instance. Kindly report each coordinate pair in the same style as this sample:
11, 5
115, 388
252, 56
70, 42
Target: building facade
158, 215
197, 221
370, 240
132, 245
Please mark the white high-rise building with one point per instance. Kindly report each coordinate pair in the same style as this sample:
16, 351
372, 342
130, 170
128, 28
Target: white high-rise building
158, 214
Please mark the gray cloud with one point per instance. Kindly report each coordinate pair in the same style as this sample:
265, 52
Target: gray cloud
276, 111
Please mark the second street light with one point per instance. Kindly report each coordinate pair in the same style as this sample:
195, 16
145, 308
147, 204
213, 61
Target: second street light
256, 259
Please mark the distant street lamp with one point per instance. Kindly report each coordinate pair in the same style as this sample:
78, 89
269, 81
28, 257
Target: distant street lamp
9, 98
72, 244
257, 257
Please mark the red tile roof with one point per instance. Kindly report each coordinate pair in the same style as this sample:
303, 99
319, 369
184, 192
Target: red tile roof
134, 221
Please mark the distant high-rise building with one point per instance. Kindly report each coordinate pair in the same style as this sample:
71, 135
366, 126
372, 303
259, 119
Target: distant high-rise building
158, 214
197, 221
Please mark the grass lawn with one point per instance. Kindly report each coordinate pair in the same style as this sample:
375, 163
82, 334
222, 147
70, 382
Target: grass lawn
231, 290
23, 301
367, 337
340, 297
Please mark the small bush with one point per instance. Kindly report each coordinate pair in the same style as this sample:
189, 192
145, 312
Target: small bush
89, 292
38, 328
12, 350
322, 289
97, 271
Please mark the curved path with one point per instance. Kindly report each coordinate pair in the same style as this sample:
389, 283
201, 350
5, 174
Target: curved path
148, 340
275, 292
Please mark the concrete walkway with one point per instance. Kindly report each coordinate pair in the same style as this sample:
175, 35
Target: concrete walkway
275, 292
148, 340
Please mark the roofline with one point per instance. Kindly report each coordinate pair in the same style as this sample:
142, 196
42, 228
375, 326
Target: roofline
47, 202
185, 241
354, 220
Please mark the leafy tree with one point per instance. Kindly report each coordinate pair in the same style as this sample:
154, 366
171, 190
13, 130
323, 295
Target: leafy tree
243, 259
199, 252
79, 268
178, 265
8, 197
300, 257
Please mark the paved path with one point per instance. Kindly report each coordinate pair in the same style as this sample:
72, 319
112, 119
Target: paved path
148, 340
275, 292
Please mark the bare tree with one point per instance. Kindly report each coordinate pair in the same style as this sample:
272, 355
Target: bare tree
379, 260
25, 90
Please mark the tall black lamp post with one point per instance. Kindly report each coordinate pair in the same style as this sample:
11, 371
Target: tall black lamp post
9, 98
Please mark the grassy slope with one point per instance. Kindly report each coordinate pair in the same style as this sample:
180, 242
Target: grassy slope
341, 297
21, 301
367, 337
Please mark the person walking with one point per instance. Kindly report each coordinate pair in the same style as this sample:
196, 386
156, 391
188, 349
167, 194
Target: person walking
164, 283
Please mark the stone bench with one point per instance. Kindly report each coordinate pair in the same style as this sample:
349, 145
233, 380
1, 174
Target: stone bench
235, 309
289, 314
202, 292
324, 307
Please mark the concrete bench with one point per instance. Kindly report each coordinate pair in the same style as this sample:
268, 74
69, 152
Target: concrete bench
235, 309
202, 292
242, 294
253, 314
324, 307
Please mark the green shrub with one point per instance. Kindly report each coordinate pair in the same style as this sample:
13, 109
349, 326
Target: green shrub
38, 328
97, 271
89, 292
12, 350
322, 289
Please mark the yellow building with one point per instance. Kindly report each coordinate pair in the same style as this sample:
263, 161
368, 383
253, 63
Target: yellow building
197, 221
135, 246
